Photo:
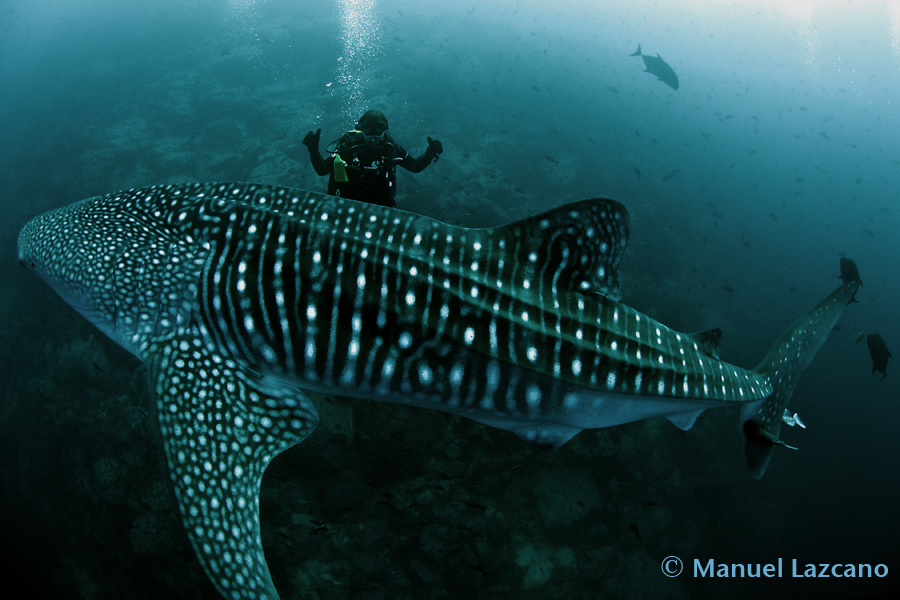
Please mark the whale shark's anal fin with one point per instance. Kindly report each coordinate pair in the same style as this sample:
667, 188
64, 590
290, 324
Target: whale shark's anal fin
220, 427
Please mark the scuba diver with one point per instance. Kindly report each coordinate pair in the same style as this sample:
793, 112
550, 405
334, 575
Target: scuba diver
363, 163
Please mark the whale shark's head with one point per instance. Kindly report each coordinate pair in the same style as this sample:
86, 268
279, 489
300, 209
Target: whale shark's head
76, 256
106, 258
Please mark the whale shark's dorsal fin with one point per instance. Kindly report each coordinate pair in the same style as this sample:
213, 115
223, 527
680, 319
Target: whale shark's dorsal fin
580, 244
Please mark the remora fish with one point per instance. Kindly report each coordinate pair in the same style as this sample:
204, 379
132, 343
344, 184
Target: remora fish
240, 296
657, 66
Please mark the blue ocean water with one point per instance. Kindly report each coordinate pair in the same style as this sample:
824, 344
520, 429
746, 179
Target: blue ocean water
776, 156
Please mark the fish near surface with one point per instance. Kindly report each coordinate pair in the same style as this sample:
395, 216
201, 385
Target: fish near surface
657, 66
238, 297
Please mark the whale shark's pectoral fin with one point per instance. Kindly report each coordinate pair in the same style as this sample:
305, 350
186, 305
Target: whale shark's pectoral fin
220, 427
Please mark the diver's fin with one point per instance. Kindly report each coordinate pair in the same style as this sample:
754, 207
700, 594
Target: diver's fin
577, 246
220, 428
783, 365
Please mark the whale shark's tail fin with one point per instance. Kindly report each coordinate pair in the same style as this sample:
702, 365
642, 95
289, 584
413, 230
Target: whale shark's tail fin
637, 52
761, 421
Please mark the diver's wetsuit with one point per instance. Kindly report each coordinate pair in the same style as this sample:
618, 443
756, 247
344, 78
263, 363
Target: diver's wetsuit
381, 190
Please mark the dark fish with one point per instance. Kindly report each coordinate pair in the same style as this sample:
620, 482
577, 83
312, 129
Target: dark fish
637, 171
880, 354
657, 66
634, 529
671, 174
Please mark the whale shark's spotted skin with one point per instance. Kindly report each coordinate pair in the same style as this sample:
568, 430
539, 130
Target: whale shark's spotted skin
239, 296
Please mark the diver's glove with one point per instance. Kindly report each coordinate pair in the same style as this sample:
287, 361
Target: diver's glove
311, 140
435, 148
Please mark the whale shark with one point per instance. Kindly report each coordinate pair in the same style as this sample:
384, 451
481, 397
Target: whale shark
242, 299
